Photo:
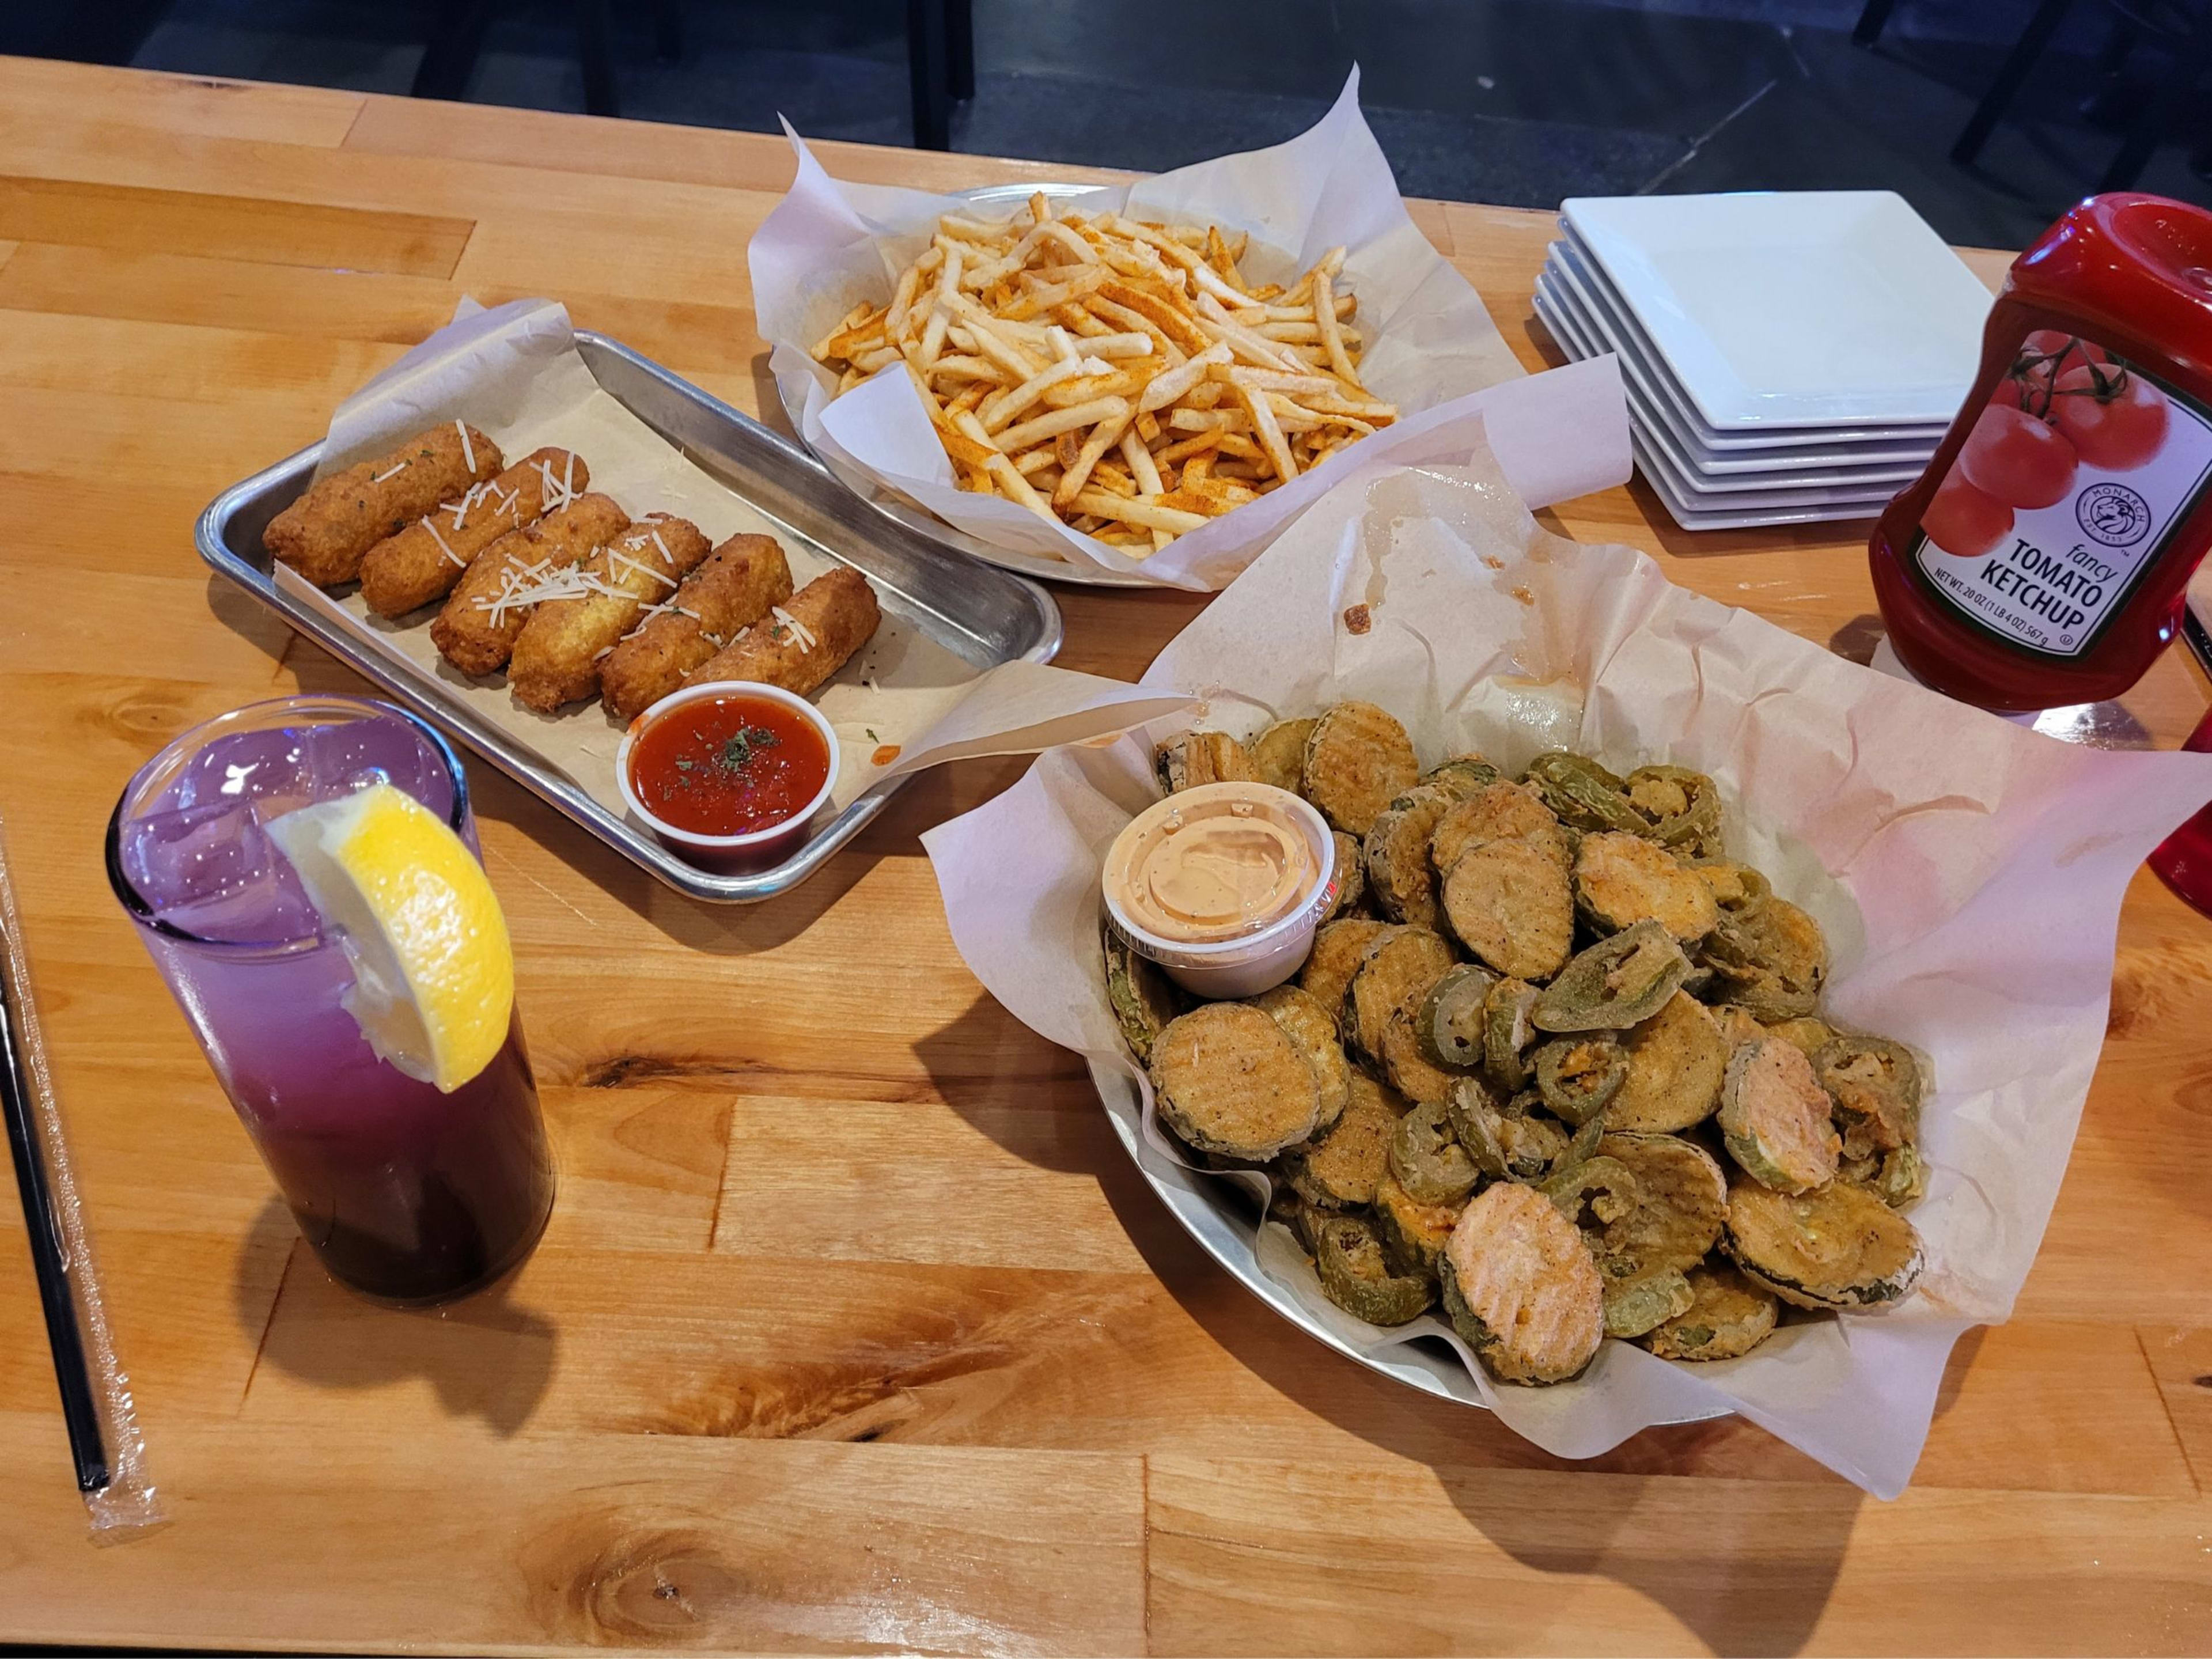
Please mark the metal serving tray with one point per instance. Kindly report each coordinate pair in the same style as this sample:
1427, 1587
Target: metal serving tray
983, 615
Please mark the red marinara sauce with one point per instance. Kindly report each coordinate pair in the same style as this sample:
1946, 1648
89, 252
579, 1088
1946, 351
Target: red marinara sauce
728, 766
2042, 558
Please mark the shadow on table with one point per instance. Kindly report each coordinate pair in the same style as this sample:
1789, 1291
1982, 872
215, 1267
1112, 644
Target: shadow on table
1747, 1556
484, 1356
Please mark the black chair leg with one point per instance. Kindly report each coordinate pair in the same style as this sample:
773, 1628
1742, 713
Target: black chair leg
2033, 39
668, 29
2190, 63
596, 58
960, 48
1872, 22
452, 51
927, 58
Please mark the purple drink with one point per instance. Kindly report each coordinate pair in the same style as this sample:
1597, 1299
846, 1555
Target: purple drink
407, 1194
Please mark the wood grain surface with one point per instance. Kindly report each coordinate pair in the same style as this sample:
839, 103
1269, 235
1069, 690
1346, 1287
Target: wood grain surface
853, 1328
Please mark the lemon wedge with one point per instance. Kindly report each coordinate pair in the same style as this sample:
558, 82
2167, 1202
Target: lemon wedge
434, 970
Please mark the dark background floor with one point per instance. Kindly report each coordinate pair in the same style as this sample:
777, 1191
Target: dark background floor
1519, 101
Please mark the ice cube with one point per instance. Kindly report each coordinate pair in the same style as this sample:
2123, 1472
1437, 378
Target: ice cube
268, 765
212, 871
360, 753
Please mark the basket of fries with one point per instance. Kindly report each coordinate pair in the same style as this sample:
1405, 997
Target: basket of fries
1142, 382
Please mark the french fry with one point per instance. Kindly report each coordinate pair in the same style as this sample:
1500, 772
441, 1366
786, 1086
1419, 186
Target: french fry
1124, 378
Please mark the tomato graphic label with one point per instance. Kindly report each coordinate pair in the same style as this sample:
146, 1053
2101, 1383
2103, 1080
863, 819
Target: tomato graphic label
2068, 486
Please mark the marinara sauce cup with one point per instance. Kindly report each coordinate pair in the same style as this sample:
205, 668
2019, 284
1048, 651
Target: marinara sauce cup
752, 849
1248, 962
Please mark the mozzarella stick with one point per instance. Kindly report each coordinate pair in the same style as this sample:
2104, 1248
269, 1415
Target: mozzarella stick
476, 630
327, 532
735, 587
801, 644
557, 654
407, 571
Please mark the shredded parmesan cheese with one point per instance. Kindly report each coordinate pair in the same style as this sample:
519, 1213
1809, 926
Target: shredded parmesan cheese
389, 473
457, 560
800, 631
468, 449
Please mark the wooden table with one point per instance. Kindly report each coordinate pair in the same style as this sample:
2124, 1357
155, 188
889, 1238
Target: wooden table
854, 1326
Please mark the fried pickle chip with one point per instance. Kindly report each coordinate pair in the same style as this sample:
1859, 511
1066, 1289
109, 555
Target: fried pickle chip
1617, 982
1509, 902
1450, 1025
1144, 999
1340, 1168
1620, 879
1521, 1287
1727, 1318
1350, 878
1358, 760
1337, 948
1393, 978
1413, 1233
1578, 1076
1635, 1306
1278, 755
1601, 1196
1398, 872
1683, 806
1462, 776
1738, 889
1775, 1117
1427, 1158
1229, 1081
1356, 1274
1193, 759
1875, 1085
1676, 1060
1773, 962
1507, 1028
1584, 794
1806, 1031
1838, 1246
1682, 1207
1308, 1024
1478, 1123
1902, 1179
1497, 811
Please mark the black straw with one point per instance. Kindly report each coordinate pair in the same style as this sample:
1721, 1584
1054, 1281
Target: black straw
49, 1256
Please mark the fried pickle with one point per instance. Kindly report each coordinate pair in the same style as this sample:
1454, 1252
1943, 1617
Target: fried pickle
1521, 1287
1229, 1081
1775, 1117
1358, 760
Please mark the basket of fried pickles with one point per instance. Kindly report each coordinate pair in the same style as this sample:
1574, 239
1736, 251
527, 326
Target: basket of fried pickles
1699, 1023
1556, 1064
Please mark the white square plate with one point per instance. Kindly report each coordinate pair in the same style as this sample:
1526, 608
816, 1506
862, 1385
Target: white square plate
1770, 472
1693, 509
1796, 308
1807, 446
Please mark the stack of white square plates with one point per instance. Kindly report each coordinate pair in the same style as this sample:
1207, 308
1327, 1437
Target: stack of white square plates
1788, 358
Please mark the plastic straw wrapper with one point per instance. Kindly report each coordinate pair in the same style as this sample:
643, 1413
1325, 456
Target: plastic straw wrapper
103, 1426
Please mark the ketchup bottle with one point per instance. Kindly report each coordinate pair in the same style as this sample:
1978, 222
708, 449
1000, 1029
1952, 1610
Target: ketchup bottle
2042, 558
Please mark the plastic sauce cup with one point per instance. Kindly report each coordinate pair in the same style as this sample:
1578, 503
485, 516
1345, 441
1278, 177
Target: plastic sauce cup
1248, 964
727, 854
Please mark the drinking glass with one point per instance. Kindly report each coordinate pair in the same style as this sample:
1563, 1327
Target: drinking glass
407, 1195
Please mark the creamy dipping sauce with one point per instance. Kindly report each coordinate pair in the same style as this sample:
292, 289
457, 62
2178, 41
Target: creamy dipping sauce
1212, 863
